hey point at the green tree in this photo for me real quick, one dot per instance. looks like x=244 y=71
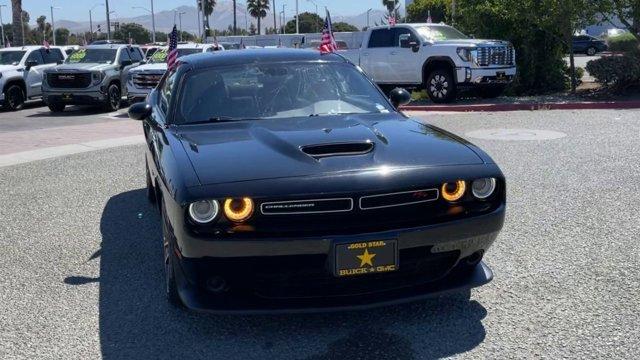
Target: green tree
x=309 y=23
x=206 y=6
x=258 y=9
x=135 y=31
x=343 y=27
x=62 y=36
x=627 y=11
x=419 y=11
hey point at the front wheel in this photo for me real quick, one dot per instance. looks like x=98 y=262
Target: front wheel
x=591 y=51
x=14 y=98
x=113 y=98
x=56 y=107
x=440 y=86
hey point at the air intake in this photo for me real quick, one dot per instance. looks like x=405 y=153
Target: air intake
x=337 y=149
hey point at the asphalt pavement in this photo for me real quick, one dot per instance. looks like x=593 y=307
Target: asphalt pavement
x=82 y=274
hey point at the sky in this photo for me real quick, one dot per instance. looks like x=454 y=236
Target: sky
x=78 y=10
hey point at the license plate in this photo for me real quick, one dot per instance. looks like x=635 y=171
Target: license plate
x=369 y=257
x=66 y=96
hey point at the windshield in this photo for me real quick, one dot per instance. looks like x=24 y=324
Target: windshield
x=160 y=56
x=105 y=56
x=277 y=90
x=437 y=33
x=11 y=57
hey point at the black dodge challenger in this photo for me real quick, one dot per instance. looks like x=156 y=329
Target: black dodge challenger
x=288 y=182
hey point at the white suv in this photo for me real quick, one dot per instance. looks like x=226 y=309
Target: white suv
x=21 y=70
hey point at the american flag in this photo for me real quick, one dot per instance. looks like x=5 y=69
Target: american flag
x=328 y=44
x=46 y=45
x=172 y=57
x=392 y=20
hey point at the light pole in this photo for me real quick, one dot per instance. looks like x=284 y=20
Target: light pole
x=297 y=22
x=275 y=23
x=368 y=11
x=153 y=25
x=22 y=26
x=91 y=20
x=199 y=25
x=53 y=26
x=180 y=22
x=106 y=4
x=283 y=23
x=2 y=24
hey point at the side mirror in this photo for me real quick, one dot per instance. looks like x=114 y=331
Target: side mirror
x=398 y=97
x=415 y=46
x=31 y=63
x=140 y=111
x=125 y=63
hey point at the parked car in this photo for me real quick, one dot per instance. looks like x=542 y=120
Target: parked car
x=21 y=70
x=93 y=75
x=287 y=181
x=434 y=57
x=231 y=45
x=588 y=45
x=144 y=78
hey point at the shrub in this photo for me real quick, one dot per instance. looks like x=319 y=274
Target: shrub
x=622 y=43
x=618 y=72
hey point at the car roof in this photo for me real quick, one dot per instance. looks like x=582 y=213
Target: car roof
x=27 y=47
x=222 y=58
x=411 y=25
x=108 y=46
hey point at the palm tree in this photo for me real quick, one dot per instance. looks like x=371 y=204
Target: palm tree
x=258 y=9
x=206 y=6
x=16 y=9
x=234 y=18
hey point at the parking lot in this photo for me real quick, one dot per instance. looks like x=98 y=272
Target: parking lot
x=82 y=273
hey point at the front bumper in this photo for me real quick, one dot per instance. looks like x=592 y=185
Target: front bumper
x=74 y=97
x=293 y=275
x=135 y=94
x=485 y=76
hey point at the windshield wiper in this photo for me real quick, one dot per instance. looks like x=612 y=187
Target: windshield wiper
x=214 y=119
x=337 y=113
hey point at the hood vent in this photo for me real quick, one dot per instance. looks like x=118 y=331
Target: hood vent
x=337 y=149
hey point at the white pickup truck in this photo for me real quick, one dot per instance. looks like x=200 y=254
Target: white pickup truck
x=434 y=57
x=21 y=72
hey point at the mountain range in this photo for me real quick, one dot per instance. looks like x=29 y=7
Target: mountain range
x=221 y=18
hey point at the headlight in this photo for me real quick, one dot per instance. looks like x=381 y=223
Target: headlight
x=467 y=54
x=453 y=191
x=204 y=211
x=96 y=77
x=238 y=209
x=483 y=188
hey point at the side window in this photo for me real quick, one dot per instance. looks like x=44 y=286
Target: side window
x=135 y=54
x=381 y=38
x=124 y=55
x=166 y=91
x=403 y=37
x=52 y=56
x=37 y=56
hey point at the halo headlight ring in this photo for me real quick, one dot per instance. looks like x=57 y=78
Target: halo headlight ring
x=204 y=211
x=453 y=191
x=238 y=210
x=483 y=188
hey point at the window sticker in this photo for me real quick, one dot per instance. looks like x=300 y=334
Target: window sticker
x=77 y=55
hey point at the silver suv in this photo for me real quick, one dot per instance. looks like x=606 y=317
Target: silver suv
x=94 y=75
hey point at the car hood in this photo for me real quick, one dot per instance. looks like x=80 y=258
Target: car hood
x=267 y=149
x=156 y=68
x=83 y=66
x=9 y=67
x=473 y=42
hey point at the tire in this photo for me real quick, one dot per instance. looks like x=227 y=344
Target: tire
x=14 y=98
x=56 y=107
x=112 y=103
x=490 y=92
x=440 y=86
x=171 y=288
x=151 y=191
x=591 y=51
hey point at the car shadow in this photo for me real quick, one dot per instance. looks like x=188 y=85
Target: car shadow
x=75 y=110
x=135 y=320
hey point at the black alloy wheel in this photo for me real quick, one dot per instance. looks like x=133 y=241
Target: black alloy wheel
x=14 y=98
x=113 y=98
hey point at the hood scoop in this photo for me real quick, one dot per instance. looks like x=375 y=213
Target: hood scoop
x=319 y=151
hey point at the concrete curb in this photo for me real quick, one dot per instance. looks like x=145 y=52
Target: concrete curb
x=603 y=105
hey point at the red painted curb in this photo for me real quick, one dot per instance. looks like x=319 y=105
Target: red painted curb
x=632 y=104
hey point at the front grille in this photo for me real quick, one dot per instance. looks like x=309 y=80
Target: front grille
x=398 y=199
x=496 y=56
x=74 y=80
x=145 y=80
x=308 y=275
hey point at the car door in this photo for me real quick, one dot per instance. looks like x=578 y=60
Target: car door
x=33 y=74
x=403 y=60
x=580 y=43
x=374 y=59
x=132 y=54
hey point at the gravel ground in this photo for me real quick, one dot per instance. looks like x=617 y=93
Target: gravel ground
x=82 y=265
